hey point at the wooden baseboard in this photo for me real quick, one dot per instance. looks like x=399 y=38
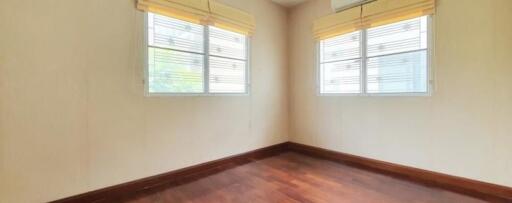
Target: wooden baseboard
x=110 y=194
x=482 y=190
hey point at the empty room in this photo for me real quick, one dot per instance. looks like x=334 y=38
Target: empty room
x=238 y=101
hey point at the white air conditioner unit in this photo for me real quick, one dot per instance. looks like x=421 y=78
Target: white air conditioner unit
x=339 y=5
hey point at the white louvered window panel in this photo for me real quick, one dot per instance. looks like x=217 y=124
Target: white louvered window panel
x=228 y=61
x=397 y=60
x=394 y=59
x=227 y=75
x=340 y=64
x=173 y=71
x=187 y=58
x=398 y=73
x=228 y=44
x=171 y=33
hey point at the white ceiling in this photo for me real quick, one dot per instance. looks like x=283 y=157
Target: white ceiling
x=289 y=3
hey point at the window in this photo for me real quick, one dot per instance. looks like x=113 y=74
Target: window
x=389 y=59
x=187 y=58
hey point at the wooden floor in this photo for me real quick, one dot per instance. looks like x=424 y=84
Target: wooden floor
x=292 y=177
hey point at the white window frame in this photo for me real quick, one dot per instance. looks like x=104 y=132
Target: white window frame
x=364 y=58
x=206 y=79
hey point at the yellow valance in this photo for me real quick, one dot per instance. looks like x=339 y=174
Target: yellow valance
x=202 y=12
x=383 y=12
x=229 y=18
x=376 y=13
x=194 y=11
x=337 y=24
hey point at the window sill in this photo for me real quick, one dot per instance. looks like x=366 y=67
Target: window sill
x=196 y=94
x=412 y=94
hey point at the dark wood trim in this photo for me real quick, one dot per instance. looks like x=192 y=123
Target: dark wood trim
x=112 y=193
x=482 y=190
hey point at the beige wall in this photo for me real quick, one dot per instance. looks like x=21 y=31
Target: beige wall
x=73 y=117
x=464 y=129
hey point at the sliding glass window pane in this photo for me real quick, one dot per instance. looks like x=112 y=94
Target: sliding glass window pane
x=227 y=75
x=341 y=77
x=404 y=36
x=343 y=47
x=227 y=44
x=172 y=33
x=400 y=73
x=174 y=71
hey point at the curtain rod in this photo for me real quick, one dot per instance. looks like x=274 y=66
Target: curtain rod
x=354 y=5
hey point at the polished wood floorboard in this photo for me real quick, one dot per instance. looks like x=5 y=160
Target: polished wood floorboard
x=292 y=177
